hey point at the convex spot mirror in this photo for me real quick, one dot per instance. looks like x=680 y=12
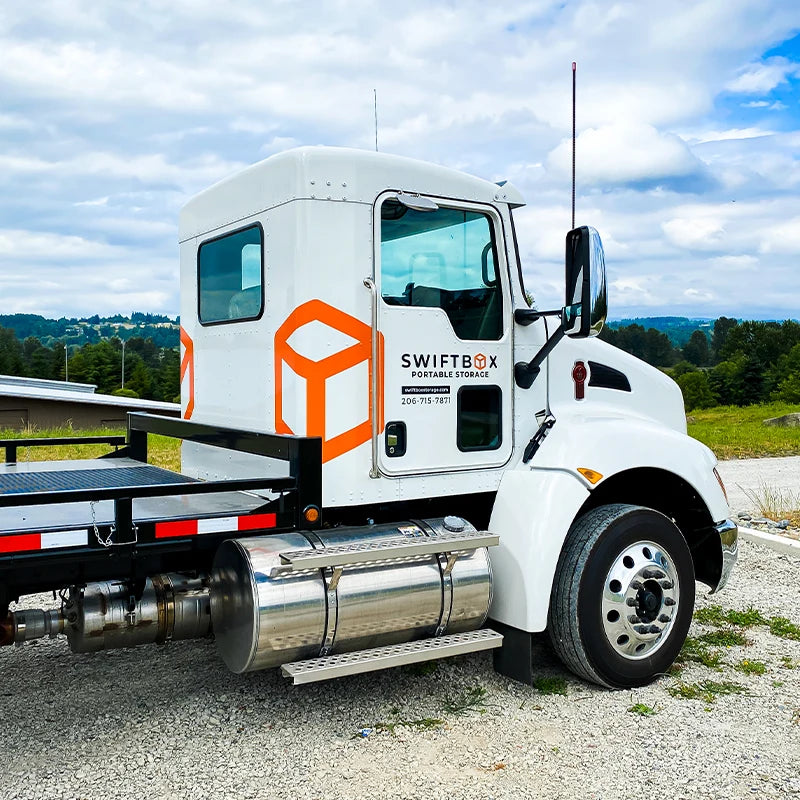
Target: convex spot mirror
x=586 y=307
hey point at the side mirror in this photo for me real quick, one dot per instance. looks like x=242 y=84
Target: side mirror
x=586 y=307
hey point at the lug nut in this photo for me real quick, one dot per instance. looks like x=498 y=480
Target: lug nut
x=655 y=629
x=663 y=618
x=669 y=601
x=633 y=619
x=666 y=584
x=653 y=573
x=631 y=601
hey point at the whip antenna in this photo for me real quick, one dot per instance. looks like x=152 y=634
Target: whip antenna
x=375 y=94
x=574 y=68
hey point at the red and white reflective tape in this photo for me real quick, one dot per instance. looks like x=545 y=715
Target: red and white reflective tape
x=195 y=527
x=19 y=542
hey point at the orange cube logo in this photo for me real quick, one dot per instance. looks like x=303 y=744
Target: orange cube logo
x=318 y=374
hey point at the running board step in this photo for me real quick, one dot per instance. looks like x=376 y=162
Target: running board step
x=393 y=655
x=400 y=548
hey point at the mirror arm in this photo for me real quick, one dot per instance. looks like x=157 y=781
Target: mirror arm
x=525 y=373
x=527 y=316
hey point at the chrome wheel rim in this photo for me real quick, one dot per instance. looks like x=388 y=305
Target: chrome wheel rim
x=641 y=595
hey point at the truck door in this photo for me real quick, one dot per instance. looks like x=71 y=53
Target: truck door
x=444 y=313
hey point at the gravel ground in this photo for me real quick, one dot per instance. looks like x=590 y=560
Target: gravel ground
x=752 y=474
x=749 y=478
x=172 y=722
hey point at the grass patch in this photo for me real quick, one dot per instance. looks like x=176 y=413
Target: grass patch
x=782 y=627
x=787 y=662
x=697 y=651
x=163 y=451
x=707 y=691
x=739 y=432
x=550 y=684
x=775 y=504
x=724 y=637
x=471 y=700
x=751 y=667
x=717 y=617
x=643 y=710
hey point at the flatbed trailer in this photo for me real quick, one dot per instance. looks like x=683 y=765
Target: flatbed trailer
x=117 y=517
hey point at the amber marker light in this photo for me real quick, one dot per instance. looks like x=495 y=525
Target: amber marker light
x=721 y=484
x=591 y=475
x=311 y=514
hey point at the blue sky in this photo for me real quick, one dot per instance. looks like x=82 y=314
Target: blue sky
x=113 y=115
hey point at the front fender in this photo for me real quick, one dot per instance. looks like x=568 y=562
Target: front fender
x=532 y=513
x=613 y=444
x=537 y=503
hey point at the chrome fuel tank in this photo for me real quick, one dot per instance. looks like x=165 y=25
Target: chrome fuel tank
x=263 y=621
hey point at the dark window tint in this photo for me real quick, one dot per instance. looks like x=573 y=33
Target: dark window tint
x=230 y=277
x=479 y=418
x=445 y=259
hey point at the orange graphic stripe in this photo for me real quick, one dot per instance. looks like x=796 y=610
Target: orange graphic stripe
x=187 y=365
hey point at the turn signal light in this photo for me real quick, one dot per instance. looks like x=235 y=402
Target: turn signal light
x=311 y=514
x=591 y=475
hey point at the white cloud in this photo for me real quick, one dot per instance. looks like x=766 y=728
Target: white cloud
x=763 y=77
x=628 y=154
x=733 y=263
x=733 y=133
x=113 y=116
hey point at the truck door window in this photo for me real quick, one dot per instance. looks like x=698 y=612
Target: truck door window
x=230 y=277
x=445 y=259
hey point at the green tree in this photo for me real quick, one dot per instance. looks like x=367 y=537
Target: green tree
x=785 y=377
x=696 y=349
x=681 y=368
x=696 y=390
x=721 y=329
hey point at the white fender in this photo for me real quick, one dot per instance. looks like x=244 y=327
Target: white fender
x=536 y=505
x=610 y=443
x=532 y=513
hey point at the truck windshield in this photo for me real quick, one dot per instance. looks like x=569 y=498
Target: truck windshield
x=443 y=259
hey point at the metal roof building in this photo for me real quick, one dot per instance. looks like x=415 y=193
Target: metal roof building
x=42 y=404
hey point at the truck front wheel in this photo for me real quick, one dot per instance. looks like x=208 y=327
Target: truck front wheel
x=622 y=597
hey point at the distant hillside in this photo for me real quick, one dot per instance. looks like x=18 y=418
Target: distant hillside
x=89 y=330
x=678 y=329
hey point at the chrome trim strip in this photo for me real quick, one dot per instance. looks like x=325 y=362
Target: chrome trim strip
x=373 y=289
x=728 y=532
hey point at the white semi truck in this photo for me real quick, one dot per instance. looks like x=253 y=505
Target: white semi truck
x=388 y=456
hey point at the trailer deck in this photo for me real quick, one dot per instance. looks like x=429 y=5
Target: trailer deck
x=119 y=518
x=29 y=479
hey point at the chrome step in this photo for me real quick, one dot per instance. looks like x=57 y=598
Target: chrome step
x=393 y=655
x=388 y=549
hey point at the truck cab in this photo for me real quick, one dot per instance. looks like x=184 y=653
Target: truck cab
x=377 y=302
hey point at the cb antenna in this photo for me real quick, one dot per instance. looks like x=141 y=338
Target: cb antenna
x=375 y=95
x=574 y=69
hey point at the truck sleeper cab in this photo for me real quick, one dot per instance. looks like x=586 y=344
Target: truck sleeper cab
x=374 y=305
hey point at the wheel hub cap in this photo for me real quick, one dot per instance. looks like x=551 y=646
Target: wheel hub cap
x=640 y=600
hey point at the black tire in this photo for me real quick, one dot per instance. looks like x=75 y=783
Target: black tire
x=619 y=562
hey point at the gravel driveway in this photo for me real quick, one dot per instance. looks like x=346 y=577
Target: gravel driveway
x=171 y=722
x=753 y=474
